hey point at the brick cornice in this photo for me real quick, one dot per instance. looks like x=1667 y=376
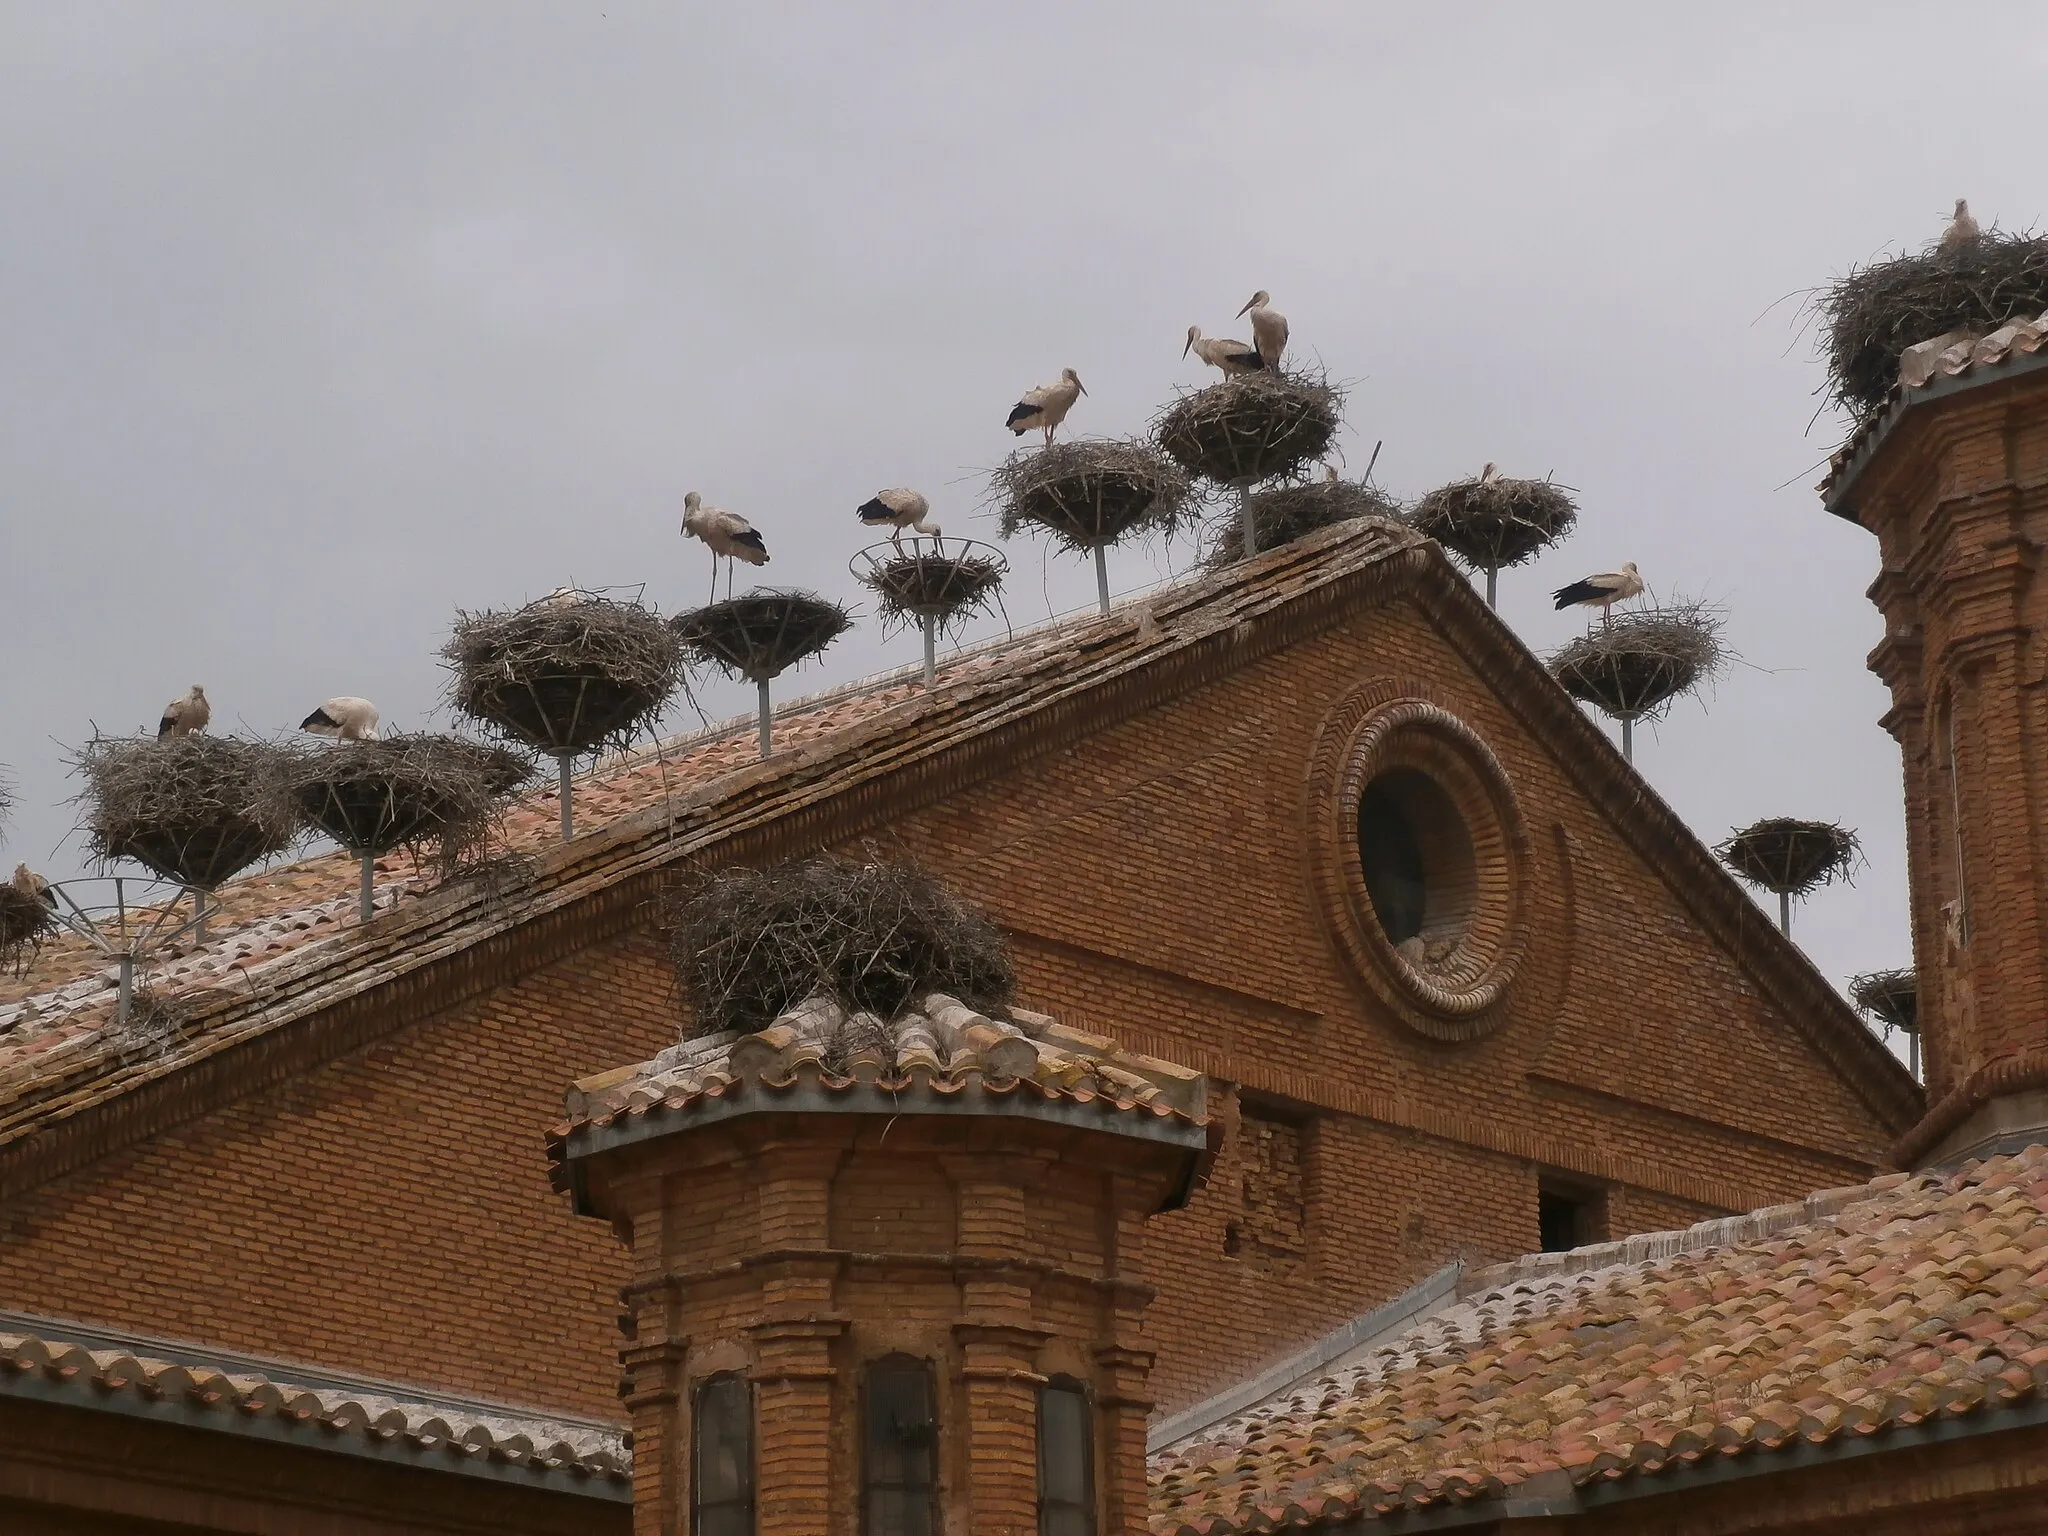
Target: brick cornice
x=2016 y=1071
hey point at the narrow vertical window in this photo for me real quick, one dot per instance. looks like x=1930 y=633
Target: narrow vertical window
x=722 y=1483
x=900 y=1464
x=1066 y=1460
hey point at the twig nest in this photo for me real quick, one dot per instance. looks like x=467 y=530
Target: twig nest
x=1494 y=524
x=1635 y=666
x=948 y=588
x=24 y=923
x=187 y=808
x=1790 y=857
x=1092 y=492
x=762 y=633
x=566 y=677
x=749 y=944
x=1254 y=427
x=1294 y=511
x=1890 y=997
x=1879 y=310
x=401 y=792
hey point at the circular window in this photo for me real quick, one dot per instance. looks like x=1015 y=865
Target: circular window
x=1420 y=849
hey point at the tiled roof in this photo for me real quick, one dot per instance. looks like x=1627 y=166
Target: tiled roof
x=1959 y=356
x=37 y=1360
x=1910 y=1301
x=941 y=1054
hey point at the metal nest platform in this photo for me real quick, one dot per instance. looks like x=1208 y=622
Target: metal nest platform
x=130 y=921
x=1633 y=667
x=1790 y=857
x=939 y=583
x=1252 y=428
x=1494 y=524
x=1092 y=493
x=761 y=634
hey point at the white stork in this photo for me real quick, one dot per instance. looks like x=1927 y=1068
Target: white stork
x=1489 y=474
x=896 y=509
x=1046 y=405
x=183 y=716
x=1962 y=229
x=564 y=597
x=1602 y=590
x=1269 y=329
x=730 y=536
x=344 y=717
x=34 y=886
x=1228 y=357
x=1330 y=476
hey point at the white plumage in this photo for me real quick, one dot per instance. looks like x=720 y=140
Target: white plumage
x=344 y=717
x=1046 y=406
x=1601 y=590
x=184 y=715
x=1269 y=329
x=34 y=886
x=1220 y=353
x=1489 y=474
x=896 y=509
x=1962 y=228
x=730 y=537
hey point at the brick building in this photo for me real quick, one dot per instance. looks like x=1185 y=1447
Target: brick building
x=303 y=1209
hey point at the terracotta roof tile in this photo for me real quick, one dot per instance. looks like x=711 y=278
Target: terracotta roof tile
x=1885 y=1307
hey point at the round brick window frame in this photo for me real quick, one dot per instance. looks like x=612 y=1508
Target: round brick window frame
x=1386 y=727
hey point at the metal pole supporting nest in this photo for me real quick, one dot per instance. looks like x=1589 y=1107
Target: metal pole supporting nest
x=1102 y=577
x=767 y=715
x=930 y=621
x=1492 y=581
x=562 y=770
x=366 y=884
x=124 y=995
x=1628 y=737
x=1247 y=520
x=198 y=915
x=1785 y=913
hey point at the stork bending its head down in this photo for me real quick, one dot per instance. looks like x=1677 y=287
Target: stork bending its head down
x=1602 y=590
x=34 y=886
x=897 y=509
x=183 y=716
x=344 y=717
x=1046 y=405
x=730 y=537
x=1228 y=357
x=1269 y=329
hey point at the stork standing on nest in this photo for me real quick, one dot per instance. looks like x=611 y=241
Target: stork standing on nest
x=1602 y=590
x=1269 y=329
x=897 y=509
x=34 y=886
x=1962 y=228
x=183 y=716
x=344 y=717
x=1489 y=474
x=1228 y=357
x=730 y=536
x=1046 y=405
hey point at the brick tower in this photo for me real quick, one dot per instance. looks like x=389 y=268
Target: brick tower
x=883 y=1274
x=1952 y=477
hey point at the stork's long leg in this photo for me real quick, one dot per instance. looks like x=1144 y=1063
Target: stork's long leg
x=713 y=597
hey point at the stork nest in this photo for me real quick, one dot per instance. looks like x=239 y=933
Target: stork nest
x=763 y=633
x=567 y=679
x=1492 y=525
x=187 y=808
x=24 y=923
x=1092 y=492
x=1879 y=310
x=401 y=792
x=6 y=799
x=1257 y=426
x=1890 y=997
x=1295 y=511
x=1633 y=667
x=947 y=588
x=1790 y=857
x=749 y=944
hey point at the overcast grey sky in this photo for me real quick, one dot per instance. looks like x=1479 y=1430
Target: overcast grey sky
x=320 y=321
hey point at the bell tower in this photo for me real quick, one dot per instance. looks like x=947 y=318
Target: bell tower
x=1952 y=478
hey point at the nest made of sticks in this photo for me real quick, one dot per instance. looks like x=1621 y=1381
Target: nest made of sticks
x=749 y=944
x=1495 y=524
x=1879 y=310
x=1633 y=667
x=762 y=633
x=404 y=791
x=1788 y=856
x=1890 y=997
x=25 y=921
x=566 y=678
x=1092 y=492
x=1254 y=427
x=947 y=588
x=188 y=808
x=1294 y=511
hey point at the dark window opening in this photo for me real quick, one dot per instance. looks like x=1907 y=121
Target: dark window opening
x=1415 y=852
x=1391 y=851
x=1066 y=1460
x=722 y=1482
x=1569 y=1218
x=899 y=1469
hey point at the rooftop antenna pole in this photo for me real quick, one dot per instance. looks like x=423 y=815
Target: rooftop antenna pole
x=930 y=621
x=1102 y=577
x=562 y=761
x=761 y=684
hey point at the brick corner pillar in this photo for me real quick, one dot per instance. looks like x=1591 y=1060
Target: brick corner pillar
x=1953 y=481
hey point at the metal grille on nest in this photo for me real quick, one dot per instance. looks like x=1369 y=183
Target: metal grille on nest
x=1890 y=997
x=186 y=808
x=759 y=636
x=1789 y=856
x=1634 y=667
x=1291 y=512
x=1252 y=428
x=1496 y=524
